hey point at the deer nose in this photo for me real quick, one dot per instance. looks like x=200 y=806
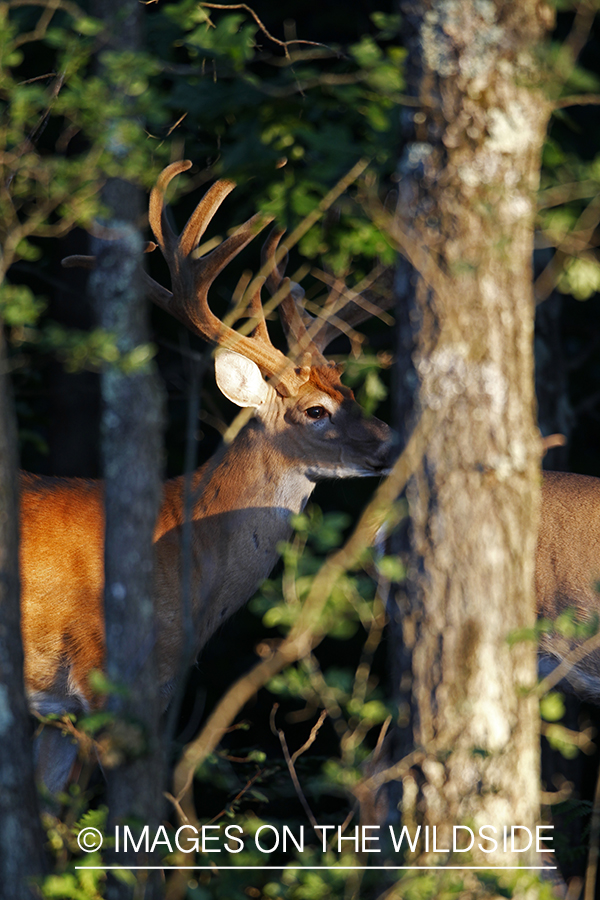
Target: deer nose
x=388 y=450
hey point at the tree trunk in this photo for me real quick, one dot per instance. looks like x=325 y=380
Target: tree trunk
x=132 y=454
x=21 y=847
x=132 y=458
x=468 y=181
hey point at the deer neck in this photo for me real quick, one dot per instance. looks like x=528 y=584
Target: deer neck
x=242 y=503
x=251 y=474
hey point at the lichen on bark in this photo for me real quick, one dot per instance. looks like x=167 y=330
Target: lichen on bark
x=469 y=172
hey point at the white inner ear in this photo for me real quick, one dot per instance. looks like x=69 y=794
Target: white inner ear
x=240 y=379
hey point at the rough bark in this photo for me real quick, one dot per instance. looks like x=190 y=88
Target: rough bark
x=468 y=178
x=21 y=847
x=132 y=456
x=132 y=453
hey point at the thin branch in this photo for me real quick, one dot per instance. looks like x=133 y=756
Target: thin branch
x=565 y=193
x=176 y=125
x=239 y=795
x=66 y=5
x=312 y=736
x=567 y=663
x=346 y=822
x=42 y=25
x=577 y=100
x=261 y=25
x=183 y=819
x=553 y=798
x=372 y=783
x=37 y=78
x=306 y=633
x=550 y=441
x=579 y=33
x=299 y=87
x=382 y=734
x=414 y=251
x=583 y=230
x=580 y=739
x=291 y=768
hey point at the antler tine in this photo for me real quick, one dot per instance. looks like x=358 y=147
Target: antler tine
x=357 y=308
x=255 y=308
x=156 y=292
x=157 y=216
x=79 y=262
x=276 y=270
x=191 y=279
x=211 y=265
x=368 y=303
x=294 y=317
x=203 y=214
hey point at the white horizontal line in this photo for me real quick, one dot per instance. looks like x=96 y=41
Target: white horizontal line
x=329 y=868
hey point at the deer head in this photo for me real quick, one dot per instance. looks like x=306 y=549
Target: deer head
x=303 y=406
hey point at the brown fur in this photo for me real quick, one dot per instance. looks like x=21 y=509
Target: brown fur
x=244 y=498
x=327 y=379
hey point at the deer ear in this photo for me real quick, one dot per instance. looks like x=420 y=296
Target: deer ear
x=240 y=379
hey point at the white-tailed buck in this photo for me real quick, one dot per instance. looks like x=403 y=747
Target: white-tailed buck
x=307 y=427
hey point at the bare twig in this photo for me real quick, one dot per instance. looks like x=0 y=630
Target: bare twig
x=580 y=739
x=415 y=252
x=181 y=816
x=566 y=664
x=583 y=231
x=382 y=733
x=552 y=798
x=50 y=7
x=553 y=440
x=239 y=795
x=565 y=193
x=574 y=888
x=346 y=821
x=290 y=760
x=579 y=33
x=261 y=25
x=392 y=773
x=577 y=100
x=312 y=736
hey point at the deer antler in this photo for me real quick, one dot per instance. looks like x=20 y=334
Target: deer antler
x=191 y=279
x=312 y=338
x=294 y=318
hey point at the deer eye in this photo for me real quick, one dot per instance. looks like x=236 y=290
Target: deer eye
x=316 y=412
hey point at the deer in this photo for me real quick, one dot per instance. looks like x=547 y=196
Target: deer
x=567 y=575
x=306 y=427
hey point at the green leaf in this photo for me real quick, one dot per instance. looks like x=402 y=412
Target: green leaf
x=391 y=568
x=88 y=26
x=19 y=305
x=581 y=277
x=552 y=707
